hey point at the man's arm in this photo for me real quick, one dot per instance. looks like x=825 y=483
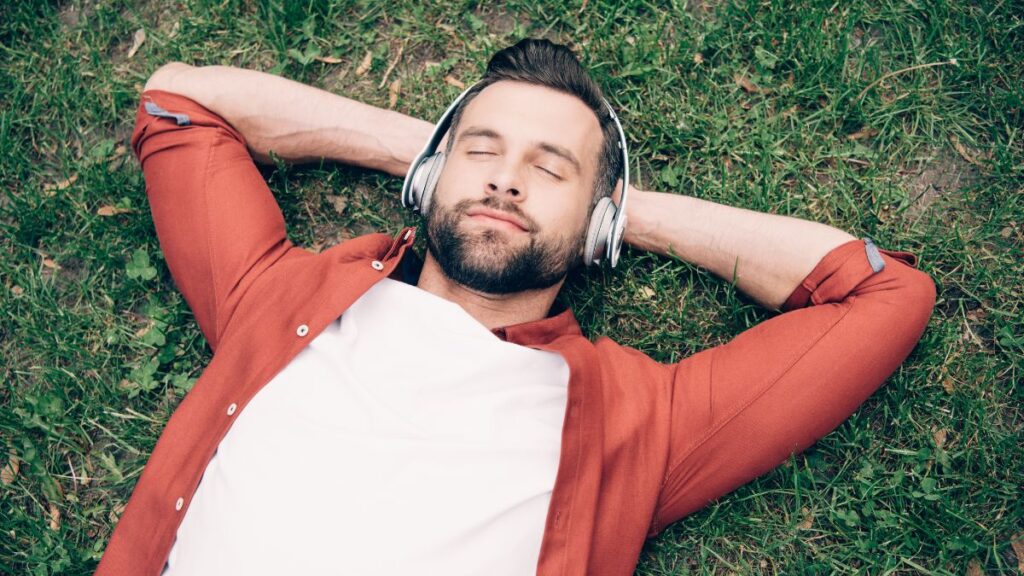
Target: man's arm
x=768 y=254
x=298 y=123
x=739 y=409
x=219 y=225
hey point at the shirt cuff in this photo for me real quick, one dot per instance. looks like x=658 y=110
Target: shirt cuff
x=841 y=271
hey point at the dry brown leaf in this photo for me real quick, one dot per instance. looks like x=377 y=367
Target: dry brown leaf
x=112 y=210
x=393 y=91
x=49 y=263
x=1006 y=232
x=453 y=81
x=17 y=290
x=339 y=203
x=1017 y=543
x=747 y=85
x=10 y=471
x=62 y=185
x=865 y=132
x=142 y=331
x=364 y=66
x=137 y=40
x=948 y=385
x=939 y=436
x=328 y=59
x=962 y=150
x=119 y=151
x=698 y=58
x=974 y=568
x=54 y=517
x=648 y=292
x=808 y=520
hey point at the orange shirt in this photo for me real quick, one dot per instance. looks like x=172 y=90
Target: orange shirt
x=643 y=443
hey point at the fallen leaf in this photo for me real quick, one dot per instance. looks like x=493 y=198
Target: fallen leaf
x=10 y=471
x=808 y=520
x=364 y=66
x=112 y=210
x=939 y=436
x=1006 y=232
x=339 y=203
x=49 y=263
x=648 y=292
x=393 y=91
x=328 y=59
x=962 y=150
x=948 y=385
x=698 y=58
x=137 y=40
x=17 y=290
x=1017 y=543
x=119 y=151
x=54 y=517
x=62 y=185
x=453 y=81
x=747 y=85
x=865 y=132
x=974 y=568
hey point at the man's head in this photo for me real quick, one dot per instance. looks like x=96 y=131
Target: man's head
x=530 y=150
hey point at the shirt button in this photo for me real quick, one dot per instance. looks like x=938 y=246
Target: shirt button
x=232 y=408
x=179 y=503
x=302 y=330
x=377 y=265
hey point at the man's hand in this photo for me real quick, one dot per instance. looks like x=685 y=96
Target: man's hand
x=767 y=255
x=295 y=122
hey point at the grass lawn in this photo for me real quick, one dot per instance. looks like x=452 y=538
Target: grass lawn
x=898 y=120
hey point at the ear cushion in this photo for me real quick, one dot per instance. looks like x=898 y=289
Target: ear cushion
x=427 y=176
x=597 y=233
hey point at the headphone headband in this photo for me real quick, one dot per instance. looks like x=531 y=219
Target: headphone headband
x=423 y=171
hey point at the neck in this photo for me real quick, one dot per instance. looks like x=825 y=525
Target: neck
x=491 y=310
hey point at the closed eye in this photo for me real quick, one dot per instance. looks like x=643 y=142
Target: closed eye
x=551 y=173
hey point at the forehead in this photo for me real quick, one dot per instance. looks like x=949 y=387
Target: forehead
x=529 y=113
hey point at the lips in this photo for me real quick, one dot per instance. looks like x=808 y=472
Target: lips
x=498 y=215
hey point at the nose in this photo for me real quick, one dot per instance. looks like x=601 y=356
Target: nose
x=505 y=181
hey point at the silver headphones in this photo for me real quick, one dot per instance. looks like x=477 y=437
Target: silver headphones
x=607 y=221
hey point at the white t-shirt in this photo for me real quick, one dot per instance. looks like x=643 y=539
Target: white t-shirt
x=405 y=439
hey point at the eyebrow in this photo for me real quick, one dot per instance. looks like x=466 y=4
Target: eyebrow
x=555 y=149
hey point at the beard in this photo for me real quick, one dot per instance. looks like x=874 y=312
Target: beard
x=487 y=261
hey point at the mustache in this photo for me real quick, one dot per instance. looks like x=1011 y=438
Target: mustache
x=494 y=203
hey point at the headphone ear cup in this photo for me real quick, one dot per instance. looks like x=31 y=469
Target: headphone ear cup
x=601 y=221
x=431 y=170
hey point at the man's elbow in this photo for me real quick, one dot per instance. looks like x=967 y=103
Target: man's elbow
x=917 y=298
x=164 y=77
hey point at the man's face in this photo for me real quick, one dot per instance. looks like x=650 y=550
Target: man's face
x=510 y=210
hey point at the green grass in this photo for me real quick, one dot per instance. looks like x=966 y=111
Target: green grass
x=97 y=347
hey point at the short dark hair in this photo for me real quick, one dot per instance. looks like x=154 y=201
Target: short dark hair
x=544 y=63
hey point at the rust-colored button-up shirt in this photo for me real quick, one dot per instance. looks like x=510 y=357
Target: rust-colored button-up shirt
x=643 y=443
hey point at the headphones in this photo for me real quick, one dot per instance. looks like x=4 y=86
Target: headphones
x=607 y=221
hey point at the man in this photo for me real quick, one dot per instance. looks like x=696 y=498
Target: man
x=457 y=422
